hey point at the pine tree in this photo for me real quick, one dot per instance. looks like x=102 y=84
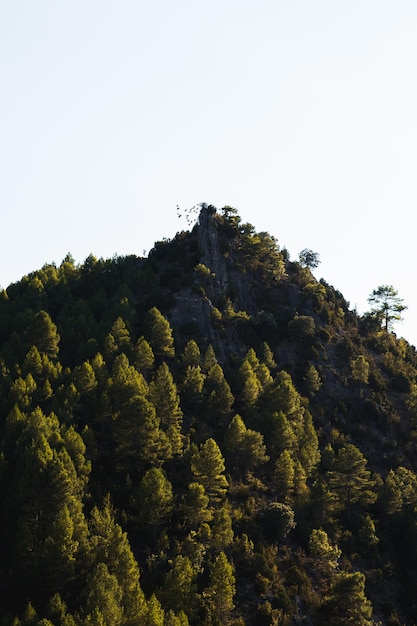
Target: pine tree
x=221 y=528
x=347 y=602
x=207 y=465
x=50 y=529
x=154 y=498
x=33 y=363
x=159 y=333
x=155 y=615
x=85 y=378
x=244 y=447
x=267 y=357
x=193 y=384
x=195 y=505
x=180 y=587
x=219 y=395
x=103 y=599
x=140 y=441
x=192 y=355
x=110 y=545
x=43 y=334
x=284 y=476
x=126 y=382
x=312 y=380
x=118 y=340
x=57 y=612
x=221 y=589
x=350 y=480
x=251 y=387
x=163 y=394
x=399 y=491
x=210 y=359
x=143 y=356
x=326 y=554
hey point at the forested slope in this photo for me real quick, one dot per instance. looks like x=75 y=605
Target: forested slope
x=205 y=436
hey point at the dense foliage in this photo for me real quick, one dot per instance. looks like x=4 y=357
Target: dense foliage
x=205 y=436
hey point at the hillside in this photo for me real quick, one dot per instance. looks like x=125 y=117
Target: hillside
x=205 y=436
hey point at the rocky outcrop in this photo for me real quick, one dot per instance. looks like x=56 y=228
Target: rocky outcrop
x=209 y=247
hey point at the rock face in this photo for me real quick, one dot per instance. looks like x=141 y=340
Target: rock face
x=198 y=308
x=209 y=247
x=227 y=278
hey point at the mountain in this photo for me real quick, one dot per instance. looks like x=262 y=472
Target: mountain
x=205 y=436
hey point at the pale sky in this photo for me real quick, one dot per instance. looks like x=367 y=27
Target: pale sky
x=302 y=114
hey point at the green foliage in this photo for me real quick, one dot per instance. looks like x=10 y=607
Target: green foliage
x=387 y=306
x=278 y=519
x=42 y=333
x=347 y=602
x=324 y=553
x=312 y=380
x=143 y=356
x=163 y=394
x=159 y=333
x=244 y=447
x=360 y=369
x=308 y=258
x=221 y=589
x=207 y=465
x=150 y=482
x=350 y=481
x=154 y=499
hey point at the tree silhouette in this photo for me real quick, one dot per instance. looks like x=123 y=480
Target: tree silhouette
x=387 y=305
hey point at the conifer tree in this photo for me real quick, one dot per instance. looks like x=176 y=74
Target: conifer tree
x=251 y=387
x=325 y=553
x=180 y=587
x=85 y=378
x=221 y=590
x=350 y=480
x=210 y=359
x=43 y=334
x=219 y=395
x=33 y=363
x=163 y=394
x=193 y=384
x=51 y=530
x=192 y=355
x=118 y=340
x=207 y=465
x=103 y=599
x=284 y=476
x=221 y=528
x=171 y=619
x=312 y=380
x=387 y=306
x=57 y=612
x=195 y=505
x=139 y=439
x=347 y=602
x=110 y=545
x=155 y=615
x=154 y=498
x=143 y=356
x=159 y=333
x=360 y=369
x=244 y=447
x=279 y=434
x=126 y=382
x=267 y=357
x=399 y=490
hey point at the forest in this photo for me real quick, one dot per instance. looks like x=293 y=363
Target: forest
x=204 y=436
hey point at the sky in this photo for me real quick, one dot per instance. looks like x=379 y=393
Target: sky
x=301 y=114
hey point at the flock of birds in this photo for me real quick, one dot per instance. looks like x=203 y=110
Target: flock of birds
x=189 y=214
